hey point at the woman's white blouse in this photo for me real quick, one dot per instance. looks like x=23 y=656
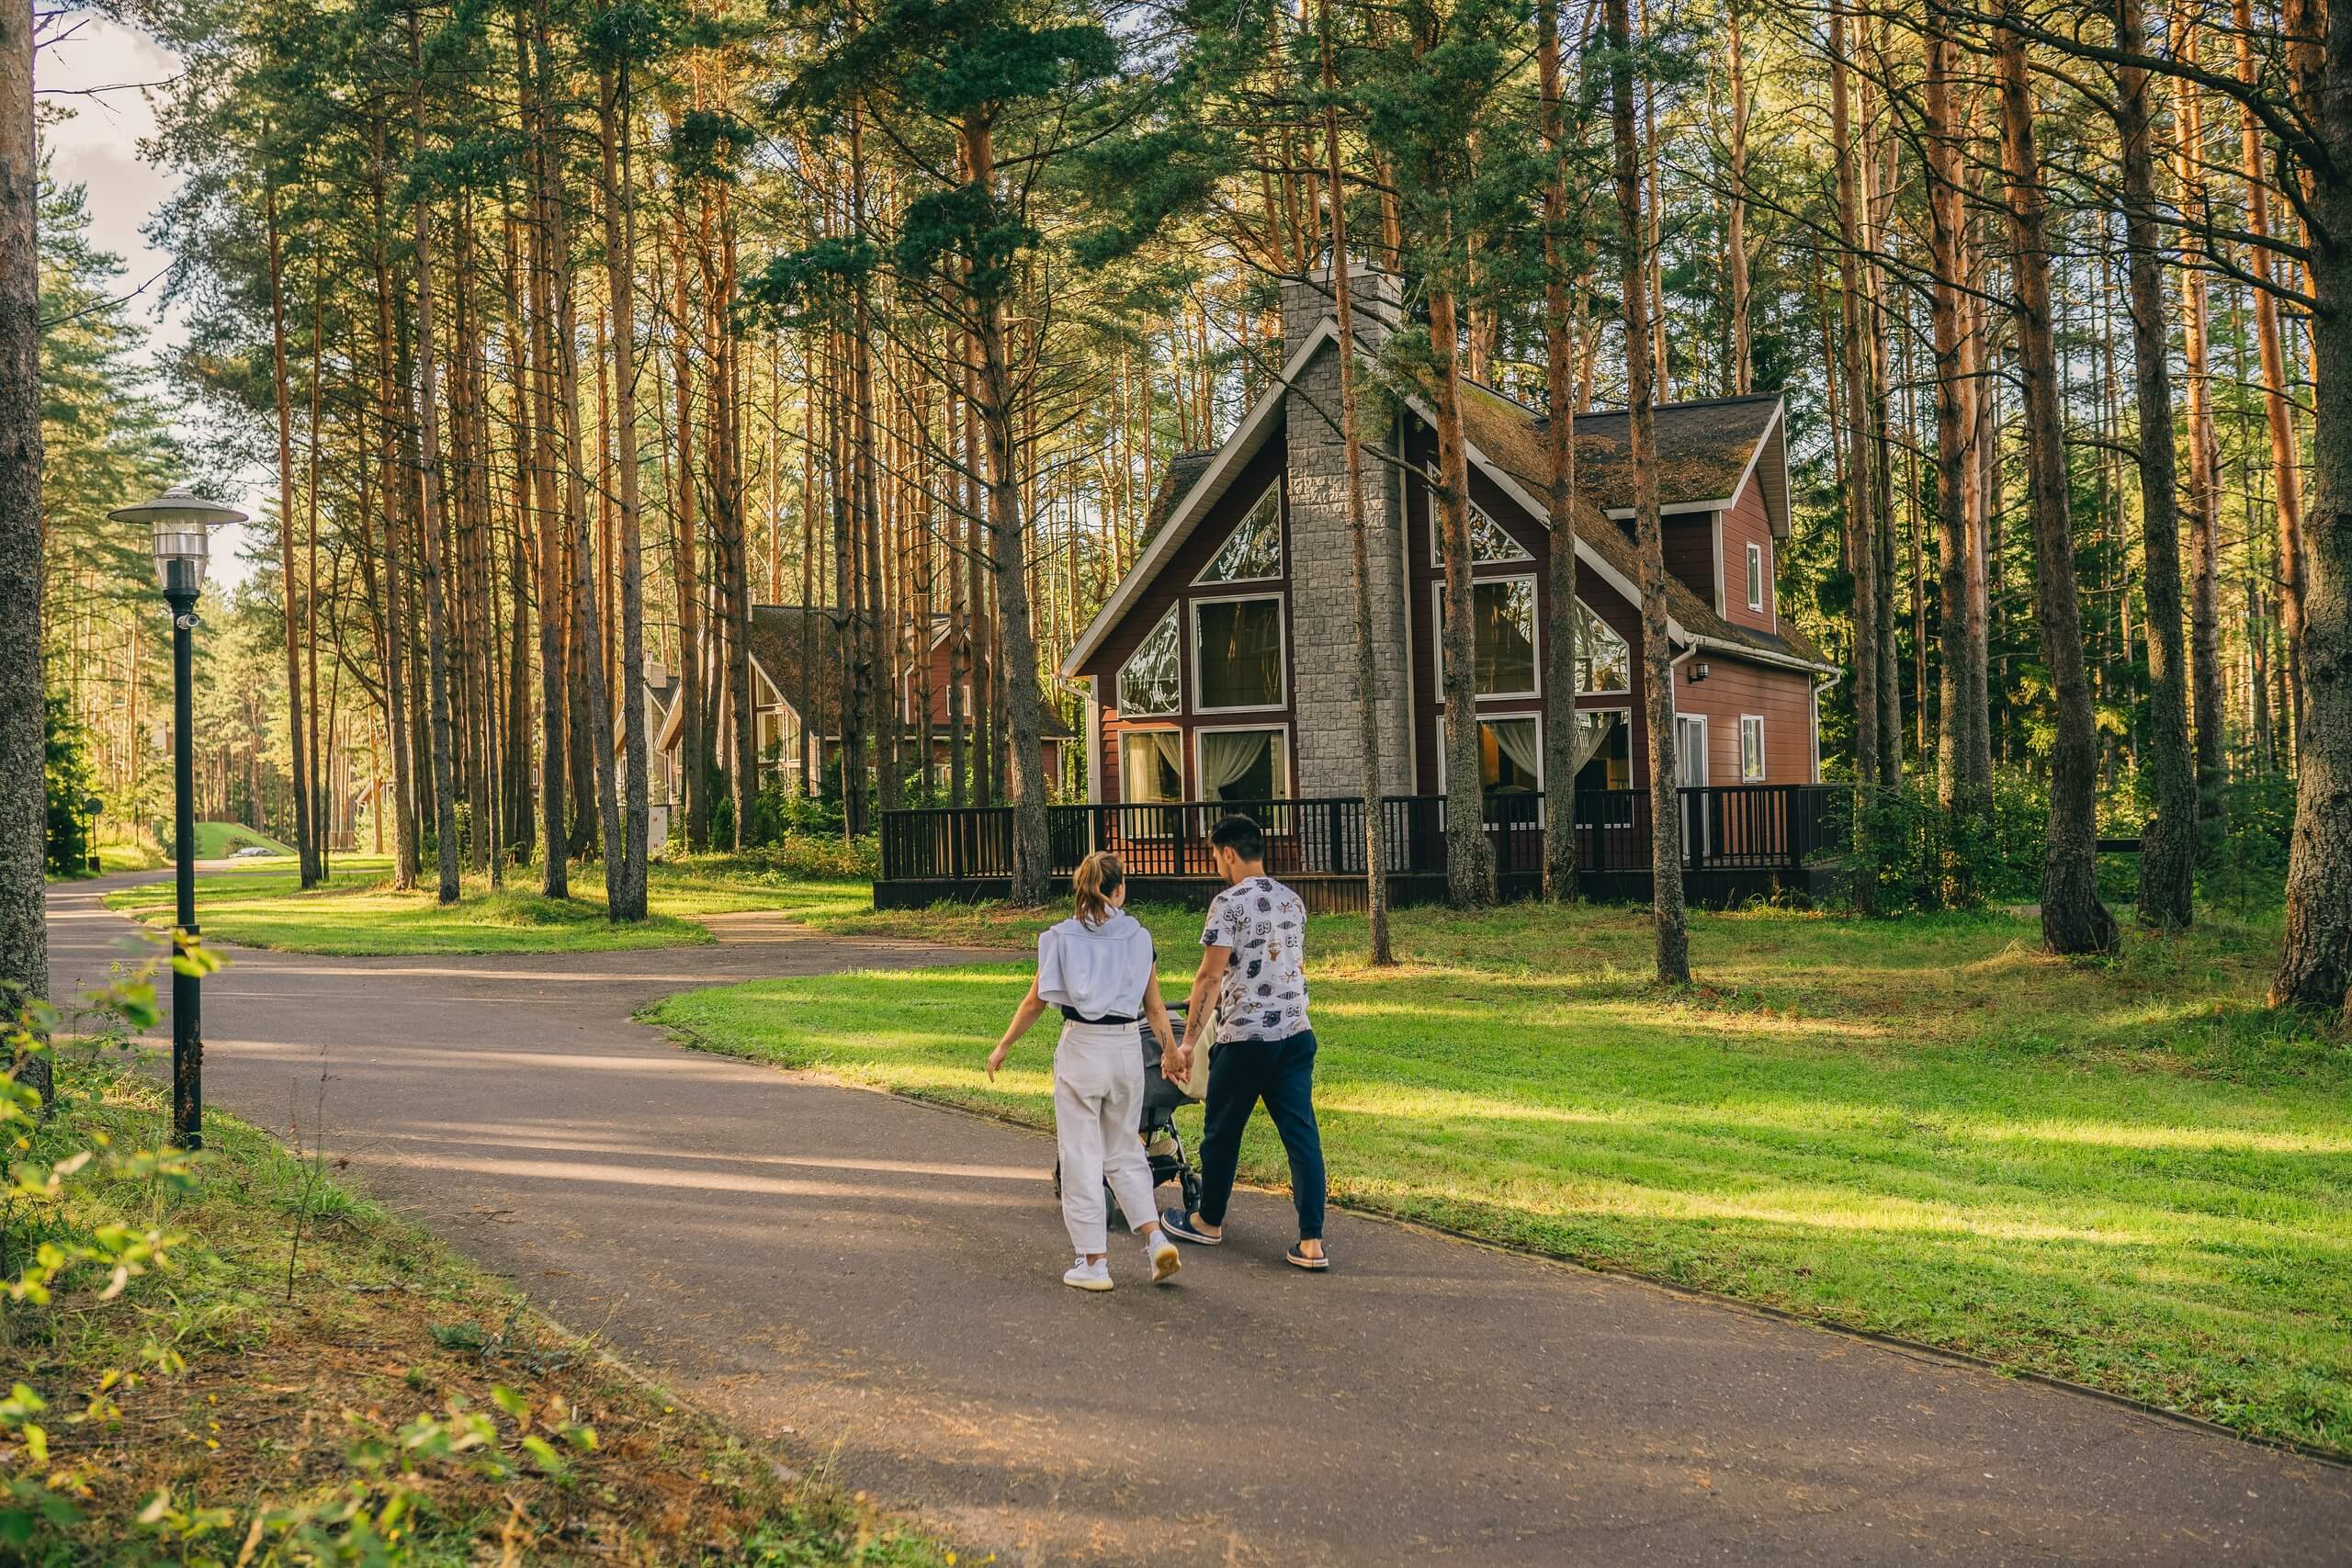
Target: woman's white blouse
x=1101 y=971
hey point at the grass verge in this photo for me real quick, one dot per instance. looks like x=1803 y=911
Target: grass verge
x=357 y=911
x=2129 y=1174
x=367 y=1398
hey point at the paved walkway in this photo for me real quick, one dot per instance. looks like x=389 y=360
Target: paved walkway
x=874 y=1283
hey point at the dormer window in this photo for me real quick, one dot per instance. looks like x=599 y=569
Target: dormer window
x=1254 y=552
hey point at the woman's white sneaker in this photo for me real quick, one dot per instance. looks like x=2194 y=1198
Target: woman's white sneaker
x=1084 y=1276
x=1165 y=1259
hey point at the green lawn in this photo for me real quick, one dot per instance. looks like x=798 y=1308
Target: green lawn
x=217 y=841
x=2129 y=1174
x=272 y=1385
x=358 y=911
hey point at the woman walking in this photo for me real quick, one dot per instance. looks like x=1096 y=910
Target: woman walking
x=1097 y=966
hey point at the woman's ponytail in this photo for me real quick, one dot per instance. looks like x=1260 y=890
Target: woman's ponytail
x=1097 y=876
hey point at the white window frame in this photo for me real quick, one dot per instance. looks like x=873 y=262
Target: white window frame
x=1282 y=542
x=1183 y=785
x=1626 y=713
x=1281 y=651
x=1706 y=770
x=1534 y=589
x=1763 y=761
x=1436 y=544
x=1118 y=676
x=1535 y=718
x=1627 y=689
x=1290 y=752
x=1757 y=592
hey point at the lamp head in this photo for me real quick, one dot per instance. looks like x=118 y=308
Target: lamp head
x=181 y=522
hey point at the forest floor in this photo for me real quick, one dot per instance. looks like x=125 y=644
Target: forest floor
x=315 y=1379
x=2130 y=1173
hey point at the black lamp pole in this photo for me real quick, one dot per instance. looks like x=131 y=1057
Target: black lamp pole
x=180 y=589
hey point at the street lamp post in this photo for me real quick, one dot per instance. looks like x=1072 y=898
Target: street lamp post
x=182 y=521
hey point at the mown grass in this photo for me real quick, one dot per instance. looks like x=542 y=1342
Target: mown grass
x=2128 y=1173
x=261 y=1400
x=358 y=911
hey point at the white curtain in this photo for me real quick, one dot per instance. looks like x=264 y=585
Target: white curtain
x=1144 y=751
x=1226 y=755
x=1515 y=738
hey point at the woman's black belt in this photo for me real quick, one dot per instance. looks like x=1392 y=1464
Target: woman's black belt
x=1072 y=1014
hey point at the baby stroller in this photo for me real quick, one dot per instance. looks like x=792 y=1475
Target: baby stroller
x=1163 y=1143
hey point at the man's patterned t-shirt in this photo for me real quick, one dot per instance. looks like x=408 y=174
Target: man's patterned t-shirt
x=1263 y=993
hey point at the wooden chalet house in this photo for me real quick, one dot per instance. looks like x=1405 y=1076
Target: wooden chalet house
x=1221 y=670
x=797 y=662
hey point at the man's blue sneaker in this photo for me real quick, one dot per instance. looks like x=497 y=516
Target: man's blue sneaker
x=1180 y=1225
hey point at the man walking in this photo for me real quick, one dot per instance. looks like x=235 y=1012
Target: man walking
x=1253 y=952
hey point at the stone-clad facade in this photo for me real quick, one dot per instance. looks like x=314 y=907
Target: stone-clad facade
x=1323 y=597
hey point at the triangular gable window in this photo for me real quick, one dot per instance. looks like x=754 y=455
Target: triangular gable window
x=1150 y=682
x=1254 y=551
x=1490 y=542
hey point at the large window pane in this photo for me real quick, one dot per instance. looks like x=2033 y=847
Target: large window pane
x=1506 y=620
x=1610 y=766
x=1240 y=652
x=1603 y=662
x=1151 y=764
x=1255 y=549
x=1148 y=682
x=1244 y=765
x=1508 y=756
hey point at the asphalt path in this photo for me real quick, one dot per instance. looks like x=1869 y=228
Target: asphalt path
x=875 y=1284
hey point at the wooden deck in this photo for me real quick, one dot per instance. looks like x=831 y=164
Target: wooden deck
x=1740 y=843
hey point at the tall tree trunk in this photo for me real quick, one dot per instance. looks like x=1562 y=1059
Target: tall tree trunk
x=1469 y=857
x=1564 y=749
x=693 y=658
x=1031 y=879
x=398 y=728
x=2286 y=465
x=1955 y=421
x=1657 y=659
x=1861 y=526
x=429 y=529
x=2316 y=964
x=2205 y=672
x=1376 y=855
x=23 y=797
x=555 y=876
x=1742 y=367
x=2168 y=842
x=306 y=846
x=625 y=891
x=2073 y=918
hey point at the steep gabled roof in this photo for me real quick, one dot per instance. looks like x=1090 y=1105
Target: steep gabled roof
x=1706 y=450
x=1511 y=439
x=1184 y=471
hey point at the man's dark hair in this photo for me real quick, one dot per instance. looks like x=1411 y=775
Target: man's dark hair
x=1242 y=836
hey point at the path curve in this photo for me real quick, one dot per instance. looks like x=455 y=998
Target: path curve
x=872 y=1283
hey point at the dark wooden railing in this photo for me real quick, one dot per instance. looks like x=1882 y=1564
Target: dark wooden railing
x=1728 y=826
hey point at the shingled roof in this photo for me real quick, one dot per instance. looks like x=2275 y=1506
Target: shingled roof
x=1704 y=449
x=779 y=632
x=1185 y=470
x=1512 y=437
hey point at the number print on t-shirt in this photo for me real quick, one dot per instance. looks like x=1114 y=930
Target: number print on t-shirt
x=1262 y=995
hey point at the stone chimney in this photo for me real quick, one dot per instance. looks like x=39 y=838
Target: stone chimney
x=1323 y=624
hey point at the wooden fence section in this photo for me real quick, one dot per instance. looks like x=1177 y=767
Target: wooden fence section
x=1738 y=841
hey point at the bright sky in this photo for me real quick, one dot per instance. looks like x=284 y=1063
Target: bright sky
x=99 y=147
